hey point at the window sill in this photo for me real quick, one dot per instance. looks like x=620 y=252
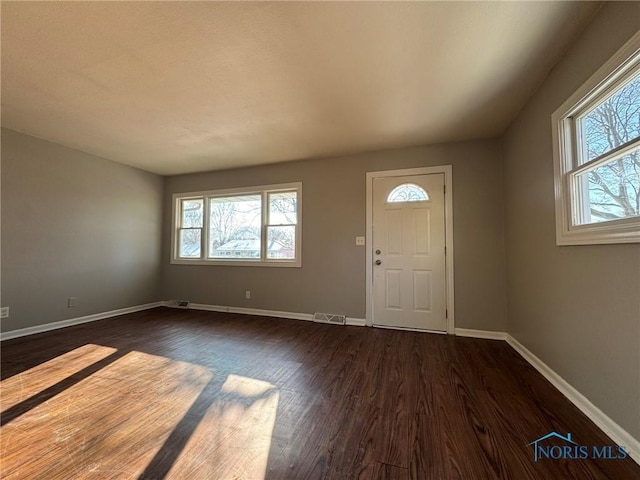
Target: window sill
x=238 y=263
x=600 y=235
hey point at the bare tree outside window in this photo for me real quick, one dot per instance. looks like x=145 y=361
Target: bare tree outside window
x=281 y=232
x=234 y=227
x=191 y=231
x=241 y=227
x=613 y=187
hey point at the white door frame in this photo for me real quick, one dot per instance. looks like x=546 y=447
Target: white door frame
x=448 y=214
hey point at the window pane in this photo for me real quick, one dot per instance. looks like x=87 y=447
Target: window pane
x=613 y=122
x=192 y=213
x=190 y=243
x=283 y=208
x=234 y=227
x=407 y=192
x=281 y=242
x=613 y=189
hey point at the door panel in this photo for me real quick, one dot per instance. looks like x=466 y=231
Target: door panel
x=422 y=290
x=409 y=285
x=393 y=289
x=394 y=231
x=422 y=228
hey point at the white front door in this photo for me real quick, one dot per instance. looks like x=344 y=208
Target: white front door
x=409 y=284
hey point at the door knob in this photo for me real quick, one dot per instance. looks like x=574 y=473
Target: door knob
x=378 y=262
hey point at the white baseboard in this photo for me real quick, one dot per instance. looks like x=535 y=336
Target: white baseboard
x=606 y=424
x=486 y=334
x=358 y=322
x=22 y=332
x=618 y=434
x=251 y=311
x=420 y=330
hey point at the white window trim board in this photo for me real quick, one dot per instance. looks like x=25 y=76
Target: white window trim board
x=624 y=230
x=254 y=189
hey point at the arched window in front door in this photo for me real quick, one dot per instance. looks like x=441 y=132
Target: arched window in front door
x=407 y=192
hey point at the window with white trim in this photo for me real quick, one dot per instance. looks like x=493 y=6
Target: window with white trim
x=258 y=226
x=597 y=155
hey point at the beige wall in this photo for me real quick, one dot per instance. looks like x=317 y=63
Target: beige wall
x=75 y=225
x=332 y=278
x=78 y=225
x=576 y=307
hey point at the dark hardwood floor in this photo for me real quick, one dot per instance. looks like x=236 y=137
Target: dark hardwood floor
x=184 y=394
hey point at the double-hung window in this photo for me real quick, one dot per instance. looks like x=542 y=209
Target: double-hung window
x=597 y=155
x=258 y=226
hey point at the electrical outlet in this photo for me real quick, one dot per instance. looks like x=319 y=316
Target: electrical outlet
x=247 y=294
x=71 y=302
x=4 y=312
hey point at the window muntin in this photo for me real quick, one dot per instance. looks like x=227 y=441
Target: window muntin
x=407 y=192
x=612 y=122
x=609 y=191
x=281 y=225
x=257 y=226
x=607 y=143
x=597 y=155
x=190 y=229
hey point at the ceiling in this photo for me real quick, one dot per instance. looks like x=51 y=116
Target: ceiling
x=179 y=87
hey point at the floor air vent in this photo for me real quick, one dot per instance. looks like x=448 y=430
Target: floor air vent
x=179 y=303
x=329 y=318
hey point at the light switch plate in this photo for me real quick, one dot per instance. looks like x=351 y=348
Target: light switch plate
x=359 y=240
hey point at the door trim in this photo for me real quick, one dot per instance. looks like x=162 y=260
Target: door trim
x=448 y=233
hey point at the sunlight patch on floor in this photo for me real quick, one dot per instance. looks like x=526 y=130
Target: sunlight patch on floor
x=26 y=384
x=233 y=438
x=109 y=425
